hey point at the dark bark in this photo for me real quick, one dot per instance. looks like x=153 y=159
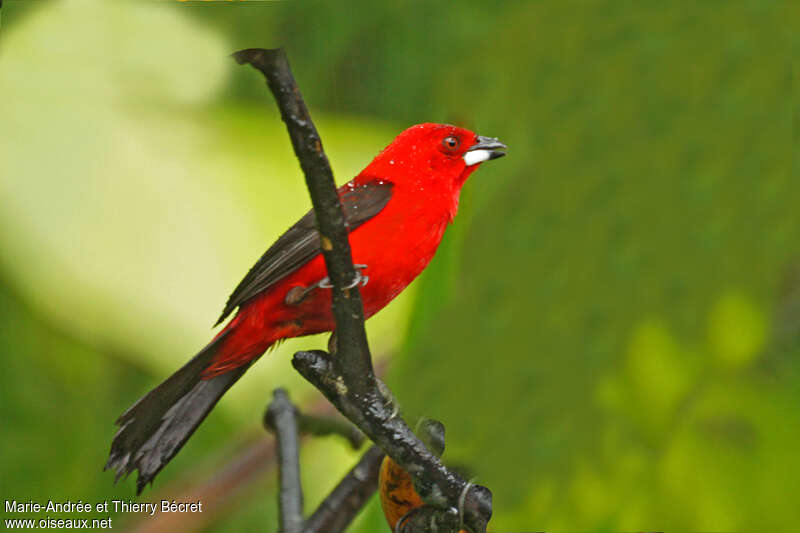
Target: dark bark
x=348 y=380
x=347 y=308
x=437 y=485
x=281 y=418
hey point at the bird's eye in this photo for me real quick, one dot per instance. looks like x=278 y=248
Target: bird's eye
x=451 y=143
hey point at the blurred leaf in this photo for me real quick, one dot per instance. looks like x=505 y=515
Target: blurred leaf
x=737 y=330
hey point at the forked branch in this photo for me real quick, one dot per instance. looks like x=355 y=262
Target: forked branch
x=348 y=380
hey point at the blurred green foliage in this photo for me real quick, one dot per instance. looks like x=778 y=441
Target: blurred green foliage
x=610 y=331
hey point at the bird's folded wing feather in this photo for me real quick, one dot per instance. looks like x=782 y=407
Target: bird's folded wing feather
x=300 y=244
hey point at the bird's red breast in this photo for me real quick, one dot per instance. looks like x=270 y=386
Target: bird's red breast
x=426 y=167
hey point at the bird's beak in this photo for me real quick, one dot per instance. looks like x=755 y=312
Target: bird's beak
x=486 y=149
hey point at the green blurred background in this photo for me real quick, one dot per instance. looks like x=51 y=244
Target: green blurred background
x=610 y=330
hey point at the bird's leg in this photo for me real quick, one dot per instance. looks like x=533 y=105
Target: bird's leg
x=298 y=293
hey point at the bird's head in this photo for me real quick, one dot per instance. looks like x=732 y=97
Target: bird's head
x=431 y=154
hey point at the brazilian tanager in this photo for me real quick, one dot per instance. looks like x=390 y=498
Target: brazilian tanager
x=396 y=209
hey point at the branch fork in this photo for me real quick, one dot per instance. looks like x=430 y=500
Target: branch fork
x=348 y=380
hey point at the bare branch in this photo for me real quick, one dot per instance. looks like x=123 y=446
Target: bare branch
x=347 y=308
x=437 y=485
x=348 y=380
x=281 y=419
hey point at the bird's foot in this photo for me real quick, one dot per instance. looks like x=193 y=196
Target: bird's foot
x=428 y=518
x=298 y=293
x=359 y=279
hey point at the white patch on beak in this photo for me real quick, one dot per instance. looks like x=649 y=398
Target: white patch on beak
x=476 y=156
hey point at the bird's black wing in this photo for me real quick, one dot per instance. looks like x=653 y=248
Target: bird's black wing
x=300 y=243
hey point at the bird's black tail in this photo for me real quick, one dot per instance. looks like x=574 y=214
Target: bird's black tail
x=155 y=428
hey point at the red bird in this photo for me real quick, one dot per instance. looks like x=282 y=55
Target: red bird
x=397 y=210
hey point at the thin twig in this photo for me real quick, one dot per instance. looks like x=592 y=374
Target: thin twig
x=281 y=419
x=336 y=511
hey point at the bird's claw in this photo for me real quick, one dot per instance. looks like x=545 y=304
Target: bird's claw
x=298 y=293
x=359 y=279
x=462 y=498
x=427 y=518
